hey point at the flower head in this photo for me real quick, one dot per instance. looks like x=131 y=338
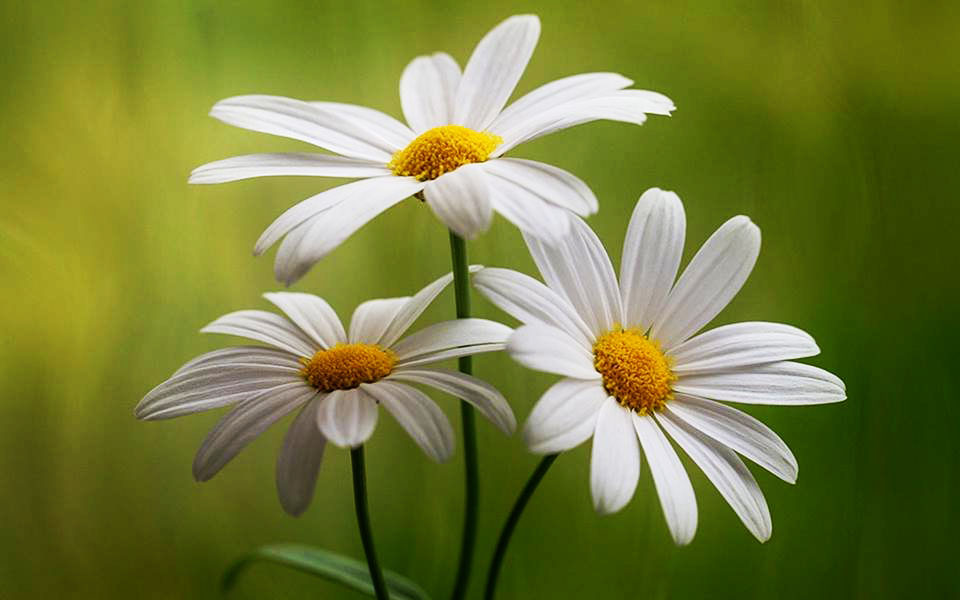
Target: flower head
x=634 y=370
x=337 y=380
x=450 y=152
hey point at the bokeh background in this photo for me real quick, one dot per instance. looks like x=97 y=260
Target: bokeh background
x=833 y=126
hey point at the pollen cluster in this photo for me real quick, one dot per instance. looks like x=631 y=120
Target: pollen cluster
x=346 y=366
x=441 y=150
x=634 y=370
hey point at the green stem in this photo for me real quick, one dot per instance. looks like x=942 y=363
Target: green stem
x=512 y=521
x=461 y=287
x=363 y=522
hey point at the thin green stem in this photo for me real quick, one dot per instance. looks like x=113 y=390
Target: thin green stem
x=363 y=522
x=512 y=521
x=461 y=287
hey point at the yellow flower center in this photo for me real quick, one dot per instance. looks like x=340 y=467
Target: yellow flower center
x=635 y=371
x=441 y=150
x=346 y=366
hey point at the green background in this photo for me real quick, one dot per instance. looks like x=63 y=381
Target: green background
x=835 y=128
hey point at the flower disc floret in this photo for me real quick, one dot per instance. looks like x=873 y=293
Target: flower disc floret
x=441 y=150
x=346 y=366
x=634 y=369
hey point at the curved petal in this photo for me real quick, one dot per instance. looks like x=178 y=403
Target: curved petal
x=333 y=226
x=615 y=459
x=494 y=69
x=531 y=214
x=244 y=423
x=302 y=121
x=651 y=256
x=710 y=281
x=627 y=106
x=461 y=200
x=409 y=313
x=294 y=163
x=418 y=415
x=549 y=183
x=441 y=355
x=428 y=88
x=303 y=211
x=786 y=383
x=264 y=327
x=738 y=431
x=670 y=478
x=299 y=460
x=557 y=93
x=371 y=319
x=530 y=301
x=212 y=386
x=564 y=417
x=457 y=333
x=741 y=345
x=394 y=134
x=240 y=355
x=551 y=350
x=472 y=390
x=727 y=473
x=579 y=269
x=311 y=314
x=347 y=417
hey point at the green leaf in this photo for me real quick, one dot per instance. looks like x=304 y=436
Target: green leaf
x=323 y=563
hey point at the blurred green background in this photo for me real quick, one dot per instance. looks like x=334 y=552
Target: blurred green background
x=834 y=127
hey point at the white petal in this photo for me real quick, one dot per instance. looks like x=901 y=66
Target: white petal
x=461 y=200
x=347 y=417
x=673 y=485
x=786 y=383
x=294 y=163
x=376 y=124
x=564 y=417
x=457 y=333
x=302 y=121
x=371 y=319
x=299 y=460
x=740 y=345
x=331 y=227
x=627 y=106
x=244 y=423
x=312 y=314
x=214 y=385
x=529 y=212
x=415 y=307
x=545 y=348
x=551 y=184
x=428 y=88
x=234 y=355
x=418 y=415
x=303 y=211
x=738 y=431
x=710 y=281
x=530 y=301
x=494 y=69
x=727 y=473
x=472 y=390
x=556 y=93
x=651 y=256
x=441 y=355
x=615 y=460
x=264 y=327
x=579 y=269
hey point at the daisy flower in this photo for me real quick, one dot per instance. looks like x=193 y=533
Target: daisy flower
x=635 y=372
x=338 y=380
x=449 y=154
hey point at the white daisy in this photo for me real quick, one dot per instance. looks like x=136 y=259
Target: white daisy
x=338 y=379
x=633 y=371
x=450 y=154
